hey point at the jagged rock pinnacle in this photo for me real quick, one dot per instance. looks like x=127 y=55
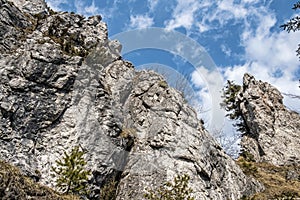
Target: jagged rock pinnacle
x=273 y=130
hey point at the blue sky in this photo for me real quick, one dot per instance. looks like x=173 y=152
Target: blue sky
x=239 y=35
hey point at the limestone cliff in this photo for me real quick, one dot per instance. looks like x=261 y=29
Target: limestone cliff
x=273 y=131
x=63 y=83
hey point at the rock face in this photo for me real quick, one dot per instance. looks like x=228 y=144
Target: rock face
x=273 y=131
x=63 y=83
x=31 y=6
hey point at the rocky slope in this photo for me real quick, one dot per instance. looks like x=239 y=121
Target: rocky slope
x=273 y=131
x=63 y=83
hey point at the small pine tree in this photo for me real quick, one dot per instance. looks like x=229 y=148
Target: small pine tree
x=232 y=105
x=178 y=190
x=70 y=173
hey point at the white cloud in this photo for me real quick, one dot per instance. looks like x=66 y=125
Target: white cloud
x=273 y=50
x=209 y=84
x=109 y=12
x=183 y=15
x=92 y=9
x=152 y=5
x=84 y=9
x=226 y=50
x=235 y=73
x=202 y=27
x=250 y=1
x=140 y=22
x=232 y=10
x=56 y=4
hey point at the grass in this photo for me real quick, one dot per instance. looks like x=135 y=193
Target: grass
x=277 y=183
x=14 y=185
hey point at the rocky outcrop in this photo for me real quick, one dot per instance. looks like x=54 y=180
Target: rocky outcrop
x=63 y=83
x=273 y=131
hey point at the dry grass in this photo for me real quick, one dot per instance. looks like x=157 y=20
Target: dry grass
x=13 y=185
x=278 y=181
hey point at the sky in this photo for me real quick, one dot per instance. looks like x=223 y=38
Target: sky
x=235 y=37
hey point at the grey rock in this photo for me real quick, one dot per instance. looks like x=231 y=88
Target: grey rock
x=14 y=26
x=273 y=131
x=31 y=6
x=170 y=141
x=65 y=84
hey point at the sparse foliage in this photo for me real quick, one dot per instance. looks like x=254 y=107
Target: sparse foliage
x=230 y=143
x=293 y=25
x=176 y=190
x=71 y=175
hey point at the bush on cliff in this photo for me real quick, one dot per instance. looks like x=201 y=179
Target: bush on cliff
x=71 y=175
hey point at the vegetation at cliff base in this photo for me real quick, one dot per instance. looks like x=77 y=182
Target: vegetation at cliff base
x=71 y=175
x=280 y=182
x=14 y=185
x=176 y=190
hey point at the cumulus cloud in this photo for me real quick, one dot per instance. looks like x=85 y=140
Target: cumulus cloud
x=140 y=22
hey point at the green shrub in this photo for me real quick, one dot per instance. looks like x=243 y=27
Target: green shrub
x=71 y=175
x=177 y=190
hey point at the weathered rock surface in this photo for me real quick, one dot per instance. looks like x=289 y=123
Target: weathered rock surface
x=31 y=6
x=14 y=26
x=273 y=131
x=65 y=84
